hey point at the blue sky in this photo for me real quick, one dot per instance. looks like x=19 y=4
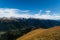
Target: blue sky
x=43 y=9
x=34 y=5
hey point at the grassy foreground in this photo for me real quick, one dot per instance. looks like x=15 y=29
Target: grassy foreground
x=43 y=34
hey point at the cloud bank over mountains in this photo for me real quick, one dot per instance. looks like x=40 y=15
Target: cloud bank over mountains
x=9 y=12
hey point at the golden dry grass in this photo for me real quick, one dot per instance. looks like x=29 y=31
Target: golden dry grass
x=43 y=34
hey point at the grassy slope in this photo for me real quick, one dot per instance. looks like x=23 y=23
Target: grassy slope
x=43 y=34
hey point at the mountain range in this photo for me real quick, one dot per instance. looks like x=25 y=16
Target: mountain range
x=12 y=28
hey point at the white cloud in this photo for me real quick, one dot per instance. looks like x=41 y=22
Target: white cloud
x=48 y=12
x=25 y=10
x=7 y=12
